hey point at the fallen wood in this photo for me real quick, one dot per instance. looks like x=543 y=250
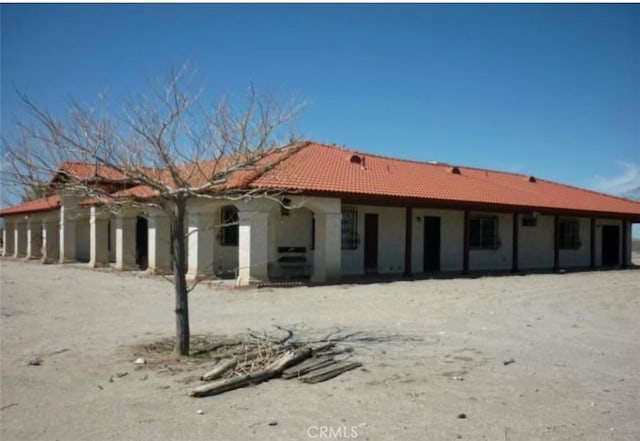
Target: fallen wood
x=289 y=359
x=329 y=372
x=273 y=370
x=219 y=369
x=226 y=365
x=217 y=387
x=307 y=366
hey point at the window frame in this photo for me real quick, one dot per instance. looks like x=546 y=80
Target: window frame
x=349 y=229
x=569 y=234
x=484 y=241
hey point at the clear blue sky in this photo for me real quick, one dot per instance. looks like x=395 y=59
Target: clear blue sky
x=548 y=90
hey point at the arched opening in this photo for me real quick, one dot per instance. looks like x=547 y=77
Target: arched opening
x=142 y=243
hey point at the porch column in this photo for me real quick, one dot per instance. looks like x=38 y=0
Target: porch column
x=50 y=240
x=20 y=240
x=200 y=244
x=328 y=252
x=34 y=238
x=253 y=252
x=625 y=243
x=8 y=241
x=99 y=237
x=67 y=235
x=159 y=244
x=125 y=241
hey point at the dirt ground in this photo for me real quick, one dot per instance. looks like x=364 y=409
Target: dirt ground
x=574 y=340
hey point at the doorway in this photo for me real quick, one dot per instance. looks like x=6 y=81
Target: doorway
x=142 y=243
x=610 y=245
x=431 y=259
x=370 y=243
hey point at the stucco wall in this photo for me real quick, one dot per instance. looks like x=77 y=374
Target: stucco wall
x=451 y=239
x=535 y=244
x=391 y=232
x=499 y=258
x=581 y=256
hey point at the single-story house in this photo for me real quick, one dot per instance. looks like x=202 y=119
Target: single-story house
x=343 y=213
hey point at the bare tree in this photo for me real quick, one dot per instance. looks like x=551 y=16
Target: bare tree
x=164 y=149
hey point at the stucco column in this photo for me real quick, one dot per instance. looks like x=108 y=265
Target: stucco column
x=200 y=248
x=159 y=244
x=34 y=238
x=20 y=239
x=327 y=253
x=125 y=242
x=253 y=251
x=67 y=235
x=8 y=241
x=50 y=240
x=99 y=238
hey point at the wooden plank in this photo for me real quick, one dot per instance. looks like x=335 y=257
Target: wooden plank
x=220 y=386
x=329 y=372
x=307 y=366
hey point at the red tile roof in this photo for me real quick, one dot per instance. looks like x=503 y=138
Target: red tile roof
x=324 y=168
x=37 y=205
x=321 y=168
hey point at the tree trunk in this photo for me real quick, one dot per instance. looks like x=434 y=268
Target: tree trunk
x=180 y=278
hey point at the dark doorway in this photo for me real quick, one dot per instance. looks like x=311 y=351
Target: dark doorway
x=610 y=245
x=431 y=262
x=370 y=243
x=142 y=243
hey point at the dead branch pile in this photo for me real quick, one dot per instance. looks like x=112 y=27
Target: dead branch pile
x=264 y=358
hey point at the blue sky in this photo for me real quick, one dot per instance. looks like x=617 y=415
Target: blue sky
x=548 y=90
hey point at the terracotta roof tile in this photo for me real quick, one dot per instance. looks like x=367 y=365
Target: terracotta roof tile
x=37 y=205
x=320 y=167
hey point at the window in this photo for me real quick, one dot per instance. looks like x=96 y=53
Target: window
x=313 y=232
x=284 y=207
x=229 y=230
x=529 y=221
x=349 y=228
x=568 y=234
x=483 y=232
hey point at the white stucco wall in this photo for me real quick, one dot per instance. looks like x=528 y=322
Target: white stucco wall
x=535 y=244
x=451 y=239
x=391 y=237
x=499 y=258
x=581 y=256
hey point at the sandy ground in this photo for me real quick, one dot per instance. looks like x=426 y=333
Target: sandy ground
x=575 y=340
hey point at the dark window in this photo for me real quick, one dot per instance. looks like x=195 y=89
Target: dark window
x=349 y=228
x=313 y=233
x=229 y=228
x=568 y=234
x=284 y=207
x=483 y=232
x=529 y=221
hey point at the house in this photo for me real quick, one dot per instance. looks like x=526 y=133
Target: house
x=344 y=213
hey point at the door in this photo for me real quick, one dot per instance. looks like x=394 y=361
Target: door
x=142 y=243
x=431 y=259
x=610 y=245
x=370 y=243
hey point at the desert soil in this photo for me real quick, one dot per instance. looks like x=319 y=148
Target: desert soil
x=437 y=351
